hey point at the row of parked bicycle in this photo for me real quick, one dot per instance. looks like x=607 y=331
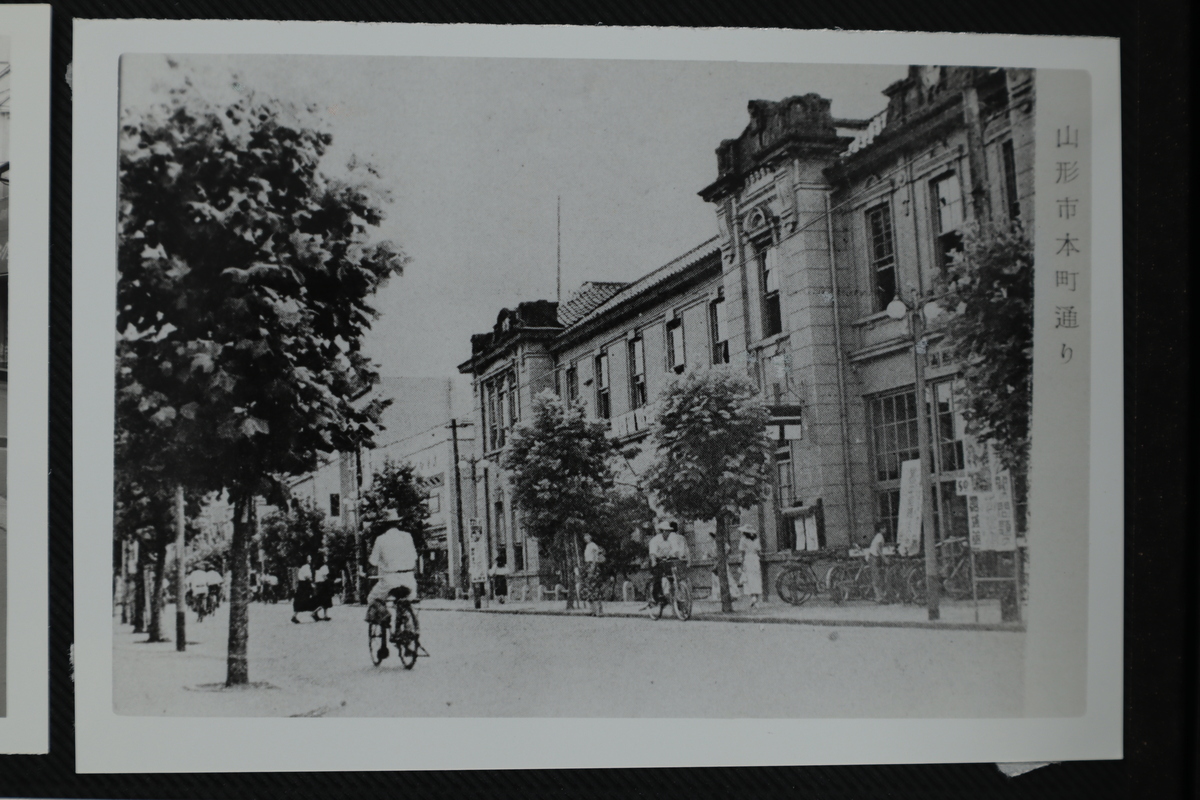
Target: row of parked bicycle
x=903 y=578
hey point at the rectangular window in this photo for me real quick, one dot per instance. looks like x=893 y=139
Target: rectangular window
x=572 y=383
x=882 y=253
x=492 y=418
x=502 y=419
x=676 y=355
x=783 y=497
x=1009 y=163
x=637 y=373
x=514 y=407
x=335 y=505
x=947 y=217
x=948 y=428
x=768 y=274
x=519 y=556
x=716 y=324
x=603 y=398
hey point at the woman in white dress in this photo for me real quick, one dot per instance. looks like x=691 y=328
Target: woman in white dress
x=751 y=565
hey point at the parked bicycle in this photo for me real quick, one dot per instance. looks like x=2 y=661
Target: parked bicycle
x=677 y=590
x=797 y=582
x=406 y=630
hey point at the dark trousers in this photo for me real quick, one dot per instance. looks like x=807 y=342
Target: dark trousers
x=875 y=564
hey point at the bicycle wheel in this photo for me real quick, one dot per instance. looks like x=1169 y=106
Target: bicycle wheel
x=957 y=585
x=840 y=583
x=797 y=584
x=682 y=601
x=916 y=583
x=895 y=583
x=407 y=636
x=375 y=641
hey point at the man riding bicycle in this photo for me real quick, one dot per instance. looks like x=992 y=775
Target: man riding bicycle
x=395 y=557
x=669 y=544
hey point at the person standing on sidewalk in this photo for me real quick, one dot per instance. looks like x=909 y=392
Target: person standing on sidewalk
x=734 y=593
x=323 y=590
x=303 y=601
x=751 y=564
x=875 y=561
x=593 y=557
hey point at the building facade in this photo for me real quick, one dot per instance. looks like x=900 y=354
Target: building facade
x=822 y=222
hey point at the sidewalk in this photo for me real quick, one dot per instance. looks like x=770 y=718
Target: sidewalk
x=156 y=680
x=955 y=615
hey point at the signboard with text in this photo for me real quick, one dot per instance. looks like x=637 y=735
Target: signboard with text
x=908 y=526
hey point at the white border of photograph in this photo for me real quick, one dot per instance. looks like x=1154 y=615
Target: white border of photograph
x=26 y=727
x=267 y=744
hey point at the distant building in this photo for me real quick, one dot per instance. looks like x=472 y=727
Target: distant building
x=416 y=431
x=822 y=222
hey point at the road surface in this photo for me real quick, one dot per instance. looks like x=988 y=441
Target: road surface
x=485 y=664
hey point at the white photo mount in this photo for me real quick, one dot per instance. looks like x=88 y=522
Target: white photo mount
x=1086 y=726
x=24 y=727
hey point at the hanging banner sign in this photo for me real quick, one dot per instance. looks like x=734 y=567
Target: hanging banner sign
x=478 y=553
x=908 y=527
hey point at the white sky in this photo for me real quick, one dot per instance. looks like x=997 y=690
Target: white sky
x=477 y=150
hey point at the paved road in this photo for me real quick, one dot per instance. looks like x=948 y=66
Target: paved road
x=548 y=666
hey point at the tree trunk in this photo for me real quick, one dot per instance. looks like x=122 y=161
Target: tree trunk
x=237 y=664
x=139 y=592
x=154 y=629
x=723 y=563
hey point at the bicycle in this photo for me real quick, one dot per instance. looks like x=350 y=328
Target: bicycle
x=797 y=582
x=406 y=633
x=955 y=581
x=849 y=580
x=677 y=590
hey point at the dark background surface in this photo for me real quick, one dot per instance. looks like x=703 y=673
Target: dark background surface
x=1161 y=700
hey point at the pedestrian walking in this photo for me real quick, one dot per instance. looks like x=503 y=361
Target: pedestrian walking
x=216 y=583
x=304 y=599
x=875 y=561
x=593 y=557
x=499 y=576
x=198 y=583
x=323 y=591
x=751 y=549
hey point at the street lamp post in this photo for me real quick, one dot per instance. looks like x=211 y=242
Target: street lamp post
x=897 y=310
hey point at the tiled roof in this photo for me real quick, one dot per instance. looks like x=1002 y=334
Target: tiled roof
x=649 y=281
x=864 y=138
x=590 y=295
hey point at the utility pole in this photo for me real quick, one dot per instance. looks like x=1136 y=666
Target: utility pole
x=931 y=563
x=458 y=509
x=558 y=251
x=180 y=569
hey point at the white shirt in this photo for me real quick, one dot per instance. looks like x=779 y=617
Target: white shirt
x=678 y=545
x=591 y=552
x=876 y=548
x=322 y=573
x=304 y=573
x=660 y=548
x=394 y=551
x=199 y=582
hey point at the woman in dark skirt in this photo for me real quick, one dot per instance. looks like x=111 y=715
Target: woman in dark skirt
x=323 y=591
x=304 y=600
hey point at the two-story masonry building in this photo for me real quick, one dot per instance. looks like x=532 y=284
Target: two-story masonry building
x=821 y=223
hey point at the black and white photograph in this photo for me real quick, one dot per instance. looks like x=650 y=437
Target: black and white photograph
x=24 y=244
x=601 y=390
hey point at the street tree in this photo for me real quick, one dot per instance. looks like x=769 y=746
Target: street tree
x=245 y=279
x=713 y=456
x=988 y=291
x=620 y=528
x=560 y=477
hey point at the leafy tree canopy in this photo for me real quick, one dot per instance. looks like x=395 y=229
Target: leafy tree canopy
x=398 y=486
x=713 y=454
x=559 y=472
x=245 y=276
x=989 y=290
x=288 y=537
